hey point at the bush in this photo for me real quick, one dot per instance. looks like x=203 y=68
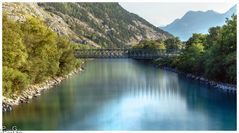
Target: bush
x=14 y=81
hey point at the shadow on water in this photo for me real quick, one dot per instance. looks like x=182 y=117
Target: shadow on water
x=124 y=94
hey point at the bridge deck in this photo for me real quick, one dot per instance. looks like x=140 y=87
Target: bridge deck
x=123 y=53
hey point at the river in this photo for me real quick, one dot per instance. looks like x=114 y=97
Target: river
x=124 y=94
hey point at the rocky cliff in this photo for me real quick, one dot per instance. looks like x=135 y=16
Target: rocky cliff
x=98 y=24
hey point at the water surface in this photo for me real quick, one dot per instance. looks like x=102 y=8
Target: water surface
x=124 y=94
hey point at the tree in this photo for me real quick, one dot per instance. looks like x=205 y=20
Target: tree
x=161 y=46
x=213 y=36
x=191 y=58
x=14 y=51
x=32 y=53
x=14 y=81
x=150 y=44
x=229 y=34
x=196 y=38
x=173 y=44
x=220 y=58
x=228 y=46
x=43 y=60
x=67 y=61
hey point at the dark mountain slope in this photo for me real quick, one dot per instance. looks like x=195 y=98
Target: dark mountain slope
x=107 y=24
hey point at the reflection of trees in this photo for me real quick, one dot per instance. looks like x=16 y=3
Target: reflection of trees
x=103 y=85
x=106 y=81
x=44 y=112
x=221 y=107
x=125 y=75
x=156 y=82
x=98 y=85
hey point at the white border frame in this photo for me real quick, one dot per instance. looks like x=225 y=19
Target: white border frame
x=160 y=1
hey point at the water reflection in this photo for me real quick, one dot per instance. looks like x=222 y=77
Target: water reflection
x=122 y=94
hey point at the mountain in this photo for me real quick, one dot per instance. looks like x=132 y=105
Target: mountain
x=98 y=24
x=197 y=22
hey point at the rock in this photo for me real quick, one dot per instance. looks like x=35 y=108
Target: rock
x=21 y=101
x=33 y=91
x=202 y=79
x=6 y=107
x=37 y=91
x=224 y=87
x=9 y=108
x=36 y=95
x=29 y=97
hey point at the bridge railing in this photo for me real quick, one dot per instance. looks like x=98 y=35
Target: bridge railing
x=123 y=53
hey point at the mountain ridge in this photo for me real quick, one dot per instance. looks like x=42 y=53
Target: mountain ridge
x=97 y=24
x=197 y=22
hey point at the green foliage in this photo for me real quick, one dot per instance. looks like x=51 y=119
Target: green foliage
x=43 y=60
x=169 y=45
x=173 y=44
x=212 y=56
x=191 y=59
x=214 y=35
x=32 y=53
x=14 y=50
x=14 y=81
x=220 y=58
x=196 y=38
x=67 y=60
x=150 y=44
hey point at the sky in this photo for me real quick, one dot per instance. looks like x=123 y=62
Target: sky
x=161 y=14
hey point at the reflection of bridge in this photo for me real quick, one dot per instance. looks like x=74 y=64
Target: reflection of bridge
x=123 y=53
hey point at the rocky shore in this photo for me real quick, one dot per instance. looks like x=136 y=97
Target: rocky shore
x=34 y=91
x=229 y=88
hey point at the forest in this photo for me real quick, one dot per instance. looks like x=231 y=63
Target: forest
x=211 y=55
x=32 y=53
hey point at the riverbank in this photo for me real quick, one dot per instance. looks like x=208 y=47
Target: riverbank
x=35 y=90
x=229 y=88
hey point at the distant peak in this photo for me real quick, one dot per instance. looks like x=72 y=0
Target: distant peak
x=233 y=9
x=175 y=21
x=193 y=13
x=190 y=12
x=210 y=11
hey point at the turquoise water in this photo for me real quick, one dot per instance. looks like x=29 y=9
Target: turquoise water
x=124 y=94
